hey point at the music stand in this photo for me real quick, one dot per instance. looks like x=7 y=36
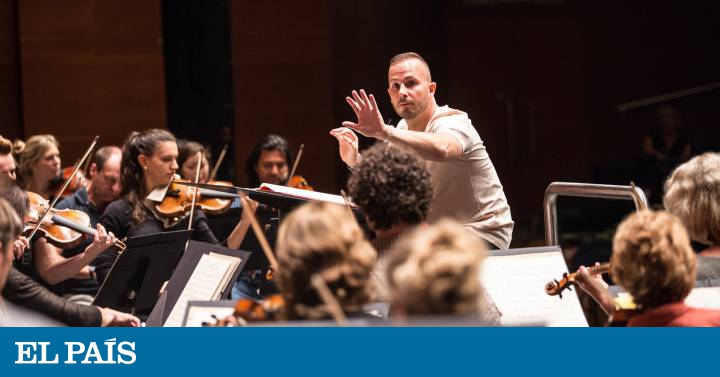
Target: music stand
x=184 y=271
x=133 y=283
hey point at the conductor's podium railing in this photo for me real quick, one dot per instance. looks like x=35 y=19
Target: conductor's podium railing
x=586 y=190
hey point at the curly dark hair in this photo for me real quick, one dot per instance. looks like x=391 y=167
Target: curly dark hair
x=392 y=186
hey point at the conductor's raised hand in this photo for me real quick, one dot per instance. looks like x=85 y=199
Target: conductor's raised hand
x=370 y=122
x=347 y=145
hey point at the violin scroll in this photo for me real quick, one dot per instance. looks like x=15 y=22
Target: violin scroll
x=555 y=287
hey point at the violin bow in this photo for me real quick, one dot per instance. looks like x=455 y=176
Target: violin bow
x=218 y=162
x=200 y=155
x=297 y=161
x=67 y=183
x=329 y=299
x=347 y=203
x=258 y=232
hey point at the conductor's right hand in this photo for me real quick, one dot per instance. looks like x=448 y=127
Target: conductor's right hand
x=347 y=144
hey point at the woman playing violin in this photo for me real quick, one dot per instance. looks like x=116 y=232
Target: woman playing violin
x=46 y=261
x=39 y=165
x=653 y=260
x=149 y=161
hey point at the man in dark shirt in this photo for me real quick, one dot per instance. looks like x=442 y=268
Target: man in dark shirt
x=103 y=188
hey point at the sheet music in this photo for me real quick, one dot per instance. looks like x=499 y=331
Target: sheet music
x=202 y=285
x=234 y=263
x=707 y=297
x=304 y=194
x=517 y=285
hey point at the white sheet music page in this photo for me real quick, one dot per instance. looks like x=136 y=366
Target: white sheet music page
x=202 y=285
x=517 y=285
x=304 y=194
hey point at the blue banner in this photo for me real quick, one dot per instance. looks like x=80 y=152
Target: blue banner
x=354 y=351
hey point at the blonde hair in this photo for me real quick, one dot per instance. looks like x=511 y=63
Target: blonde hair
x=34 y=149
x=324 y=239
x=652 y=259
x=692 y=193
x=436 y=270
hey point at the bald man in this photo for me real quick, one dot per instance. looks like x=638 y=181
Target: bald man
x=465 y=184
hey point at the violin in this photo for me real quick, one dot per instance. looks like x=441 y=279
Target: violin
x=555 y=288
x=79 y=181
x=65 y=228
x=179 y=198
x=247 y=310
x=299 y=182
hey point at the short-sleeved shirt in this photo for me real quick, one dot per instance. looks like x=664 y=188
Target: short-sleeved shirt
x=467 y=189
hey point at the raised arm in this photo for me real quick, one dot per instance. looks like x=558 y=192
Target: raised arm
x=430 y=146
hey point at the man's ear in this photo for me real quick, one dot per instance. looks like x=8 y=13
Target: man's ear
x=93 y=170
x=432 y=87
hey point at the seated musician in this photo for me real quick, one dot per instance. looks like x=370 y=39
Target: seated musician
x=653 y=260
x=148 y=162
x=39 y=165
x=23 y=291
x=324 y=239
x=46 y=261
x=392 y=187
x=187 y=160
x=691 y=194
x=7 y=162
x=435 y=270
x=10 y=229
x=268 y=162
x=103 y=188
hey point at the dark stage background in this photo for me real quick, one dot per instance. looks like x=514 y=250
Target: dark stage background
x=540 y=79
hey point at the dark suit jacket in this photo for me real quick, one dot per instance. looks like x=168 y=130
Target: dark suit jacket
x=24 y=291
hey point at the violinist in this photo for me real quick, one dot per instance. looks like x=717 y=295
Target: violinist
x=149 y=161
x=188 y=160
x=47 y=263
x=7 y=162
x=269 y=162
x=39 y=165
x=653 y=261
x=435 y=271
x=27 y=293
x=103 y=188
x=324 y=239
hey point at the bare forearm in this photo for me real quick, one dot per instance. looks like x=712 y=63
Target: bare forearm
x=430 y=146
x=58 y=269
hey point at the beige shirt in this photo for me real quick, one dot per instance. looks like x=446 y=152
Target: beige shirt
x=467 y=189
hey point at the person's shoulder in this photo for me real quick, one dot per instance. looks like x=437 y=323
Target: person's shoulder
x=118 y=206
x=445 y=116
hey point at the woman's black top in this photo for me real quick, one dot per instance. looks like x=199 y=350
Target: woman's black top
x=117 y=219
